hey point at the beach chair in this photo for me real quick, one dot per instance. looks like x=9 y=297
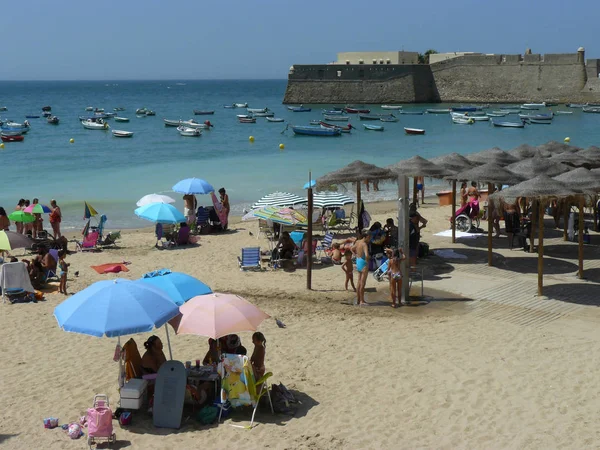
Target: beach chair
x=297 y=237
x=89 y=242
x=250 y=258
x=202 y=216
x=238 y=386
x=326 y=243
x=110 y=240
x=265 y=227
x=14 y=278
x=133 y=360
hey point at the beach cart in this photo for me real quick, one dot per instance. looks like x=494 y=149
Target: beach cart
x=99 y=420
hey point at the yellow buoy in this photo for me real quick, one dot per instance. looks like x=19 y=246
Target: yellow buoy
x=567 y=139
x=71 y=140
x=251 y=138
x=2 y=145
x=281 y=146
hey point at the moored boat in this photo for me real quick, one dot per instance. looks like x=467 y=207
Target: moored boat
x=373 y=127
x=95 y=124
x=3 y=108
x=538 y=121
x=189 y=132
x=299 y=109
x=119 y=108
x=121 y=119
x=141 y=111
x=345 y=129
x=462 y=120
x=479 y=118
x=247 y=120
x=593 y=110
x=316 y=131
x=357 y=110
x=53 y=120
x=394 y=107
x=240 y=105
x=438 y=110
x=89 y=108
x=12 y=138
x=122 y=133
x=412 y=113
x=200 y=112
x=46 y=108
x=32 y=116
x=575 y=105
x=530 y=107
x=537 y=116
x=414 y=130
x=150 y=113
x=332 y=112
x=274 y=119
x=257 y=110
x=170 y=123
x=389 y=119
x=206 y=125
x=336 y=118
x=505 y=124
x=563 y=112
x=496 y=114
x=46 y=114
x=263 y=114
x=464 y=108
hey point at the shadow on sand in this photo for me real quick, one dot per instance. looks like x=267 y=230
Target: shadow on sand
x=578 y=293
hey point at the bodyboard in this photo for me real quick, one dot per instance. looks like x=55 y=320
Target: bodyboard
x=169 y=395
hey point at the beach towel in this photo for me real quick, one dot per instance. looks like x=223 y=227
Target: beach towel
x=156 y=273
x=459 y=234
x=15 y=276
x=133 y=360
x=237 y=384
x=219 y=210
x=110 y=268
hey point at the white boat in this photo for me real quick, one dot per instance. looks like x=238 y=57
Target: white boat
x=463 y=120
x=478 y=118
x=496 y=114
x=150 y=113
x=244 y=116
x=3 y=108
x=263 y=114
x=122 y=133
x=563 y=112
x=171 y=123
x=241 y=105
x=257 y=110
x=396 y=107
x=94 y=124
x=274 y=119
x=99 y=110
x=121 y=119
x=141 y=111
x=193 y=124
x=191 y=132
x=89 y=108
x=336 y=118
x=534 y=105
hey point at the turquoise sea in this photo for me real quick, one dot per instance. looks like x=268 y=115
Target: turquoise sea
x=112 y=173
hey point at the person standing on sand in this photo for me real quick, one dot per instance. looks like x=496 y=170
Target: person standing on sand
x=361 y=249
x=421 y=187
x=190 y=205
x=4 y=220
x=37 y=225
x=19 y=207
x=55 y=219
x=463 y=194
x=348 y=269
x=224 y=199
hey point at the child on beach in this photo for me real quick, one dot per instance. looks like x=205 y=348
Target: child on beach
x=64 y=268
x=348 y=268
x=336 y=254
x=395 y=275
x=258 y=355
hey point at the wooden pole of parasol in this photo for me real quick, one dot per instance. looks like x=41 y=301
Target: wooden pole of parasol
x=490 y=222
x=595 y=206
x=565 y=203
x=580 y=249
x=533 y=224
x=415 y=191
x=358 y=218
x=403 y=233
x=452 y=221
x=540 y=249
x=309 y=232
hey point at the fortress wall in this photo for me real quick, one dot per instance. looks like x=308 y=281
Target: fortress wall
x=502 y=78
x=337 y=83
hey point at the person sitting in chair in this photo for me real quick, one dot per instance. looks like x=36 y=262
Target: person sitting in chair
x=183 y=236
x=154 y=356
x=286 y=246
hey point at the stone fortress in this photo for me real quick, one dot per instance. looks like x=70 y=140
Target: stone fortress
x=397 y=77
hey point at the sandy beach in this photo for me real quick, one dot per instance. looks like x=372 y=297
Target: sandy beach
x=480 y=362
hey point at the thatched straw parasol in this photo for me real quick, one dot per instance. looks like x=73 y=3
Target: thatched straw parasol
x=582 y=179
x=553 y=147
x=524 y=151
x=493 y=155
x=532 y=167
x=542 y=188
x=417 y=167
x=355 y=172
x=488 y=173
x=575 y=159
x=453 y=162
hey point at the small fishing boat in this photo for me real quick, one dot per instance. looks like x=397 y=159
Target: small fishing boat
x=53 y=120
x=332 y=112
x=479 y=118
x=336 y=118
x=89 y=108
x=337 y=108
x=414 y=130
x=462 y=120
x=14 y=128
x=548 y=104
x=200 y=112
x=373 y=127
x=464 y=108
x=505 y=124
x=299 y=109
x=316 y=131
x=99 y=110
x=122 y=133
x=576 y=105
x=240 y=105
x=593 y=110
x=109 y=115
x=94 y=124
x=257 y=110
x=244 y=116
x=537 y=116
x=119 y=108
x=193 y=124
x=12 y=138
x=274 y=119
x=168 y=122
x=46 y=114
x=357 y=111
x=394 y=107
x=141 y=111
x=247 y=120
x=533 y=105
x=374 y=116
x=150 y=113
x=229 y=106
x=46 y=108
x=13 y=131
x=563 y=112
x=496 y=114
x=345 y=129
x=32 y=116
x=315 y=122
x=412 y=113
x=3 y=108
x=538 y=121
x=263 y=114
x=389 y=119
x=508 y=111
x=121 y=119
x=438 y=111
x=529 y=107
x=189 y=132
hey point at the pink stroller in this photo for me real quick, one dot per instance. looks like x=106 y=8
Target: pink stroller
x=467 y=216
x=99 y=420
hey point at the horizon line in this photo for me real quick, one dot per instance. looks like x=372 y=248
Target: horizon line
x=146 y=79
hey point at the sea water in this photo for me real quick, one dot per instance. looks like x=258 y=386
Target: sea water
x=113 y=173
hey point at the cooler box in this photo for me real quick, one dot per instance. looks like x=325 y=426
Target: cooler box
x=133 y=394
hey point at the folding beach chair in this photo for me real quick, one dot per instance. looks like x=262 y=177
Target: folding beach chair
x=89 y=242
x=250 y=258
x=238 y=385
x=326 y=243
x=202 y=216
x=14 y=278
x=110 y=240
x=132 y=360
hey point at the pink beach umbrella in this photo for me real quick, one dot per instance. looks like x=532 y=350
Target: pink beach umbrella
x=216 y=315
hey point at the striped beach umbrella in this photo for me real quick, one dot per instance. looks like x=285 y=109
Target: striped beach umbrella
x=284 y=216
x=328 y=199
x=279 y=199
x=88 y=211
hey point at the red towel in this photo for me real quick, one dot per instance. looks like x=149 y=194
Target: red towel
x=110 y=268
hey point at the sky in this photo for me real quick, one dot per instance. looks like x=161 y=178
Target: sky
x=261 y=39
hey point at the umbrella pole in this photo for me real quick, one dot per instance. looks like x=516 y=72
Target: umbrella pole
x=309 y=233
x=168 y=342
x=358 y=200
x=540 y=250
x=565 y=220
x=595 y=206
x=580 y=250
x=415 y=197
x=490 y=223
x=452 y=221
x=403 y=234
x=533 y=224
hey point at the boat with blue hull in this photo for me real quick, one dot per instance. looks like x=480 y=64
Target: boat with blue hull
x=299 y=109
x=316 y=131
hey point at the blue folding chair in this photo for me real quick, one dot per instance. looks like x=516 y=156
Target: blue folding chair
x=250 y=259
x=202 y=217
x=297 y=237
x=326 y=243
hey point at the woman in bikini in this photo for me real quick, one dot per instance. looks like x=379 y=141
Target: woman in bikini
x=361 y=249
x=463 y=194
x=55 y=219
x=154 y=356
x=395 y=275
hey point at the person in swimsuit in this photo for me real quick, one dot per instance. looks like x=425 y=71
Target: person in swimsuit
x=395 y=275
x=20 y=207
x=64 y=269
x=348 y=269
x=421 y=188
x=336 y=253
x=154 y=356
x=463 y=194
x=473 y=192
x=4 y=220
x=190 y=204
x=55 y=219
x=258 y=356
x=224 y=199
x=361 y=249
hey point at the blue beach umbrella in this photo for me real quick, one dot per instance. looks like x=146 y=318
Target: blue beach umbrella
x=160 y=213
x=193 y=186
x=310 y=184
x=180 y=287
x=115 y=308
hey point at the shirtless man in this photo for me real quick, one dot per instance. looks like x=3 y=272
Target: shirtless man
x=361 y=250
x=189 y=208
x=473 y=192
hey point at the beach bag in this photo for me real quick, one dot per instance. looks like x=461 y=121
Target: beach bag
x=125 y=418
x=207 y=415
x=99 y=421
x=50 y=422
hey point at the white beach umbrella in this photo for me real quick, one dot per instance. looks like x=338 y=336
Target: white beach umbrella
x=280 y=199
x=328 y=199
x=154 y=198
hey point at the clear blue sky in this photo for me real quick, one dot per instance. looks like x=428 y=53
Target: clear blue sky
x=208 y=39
